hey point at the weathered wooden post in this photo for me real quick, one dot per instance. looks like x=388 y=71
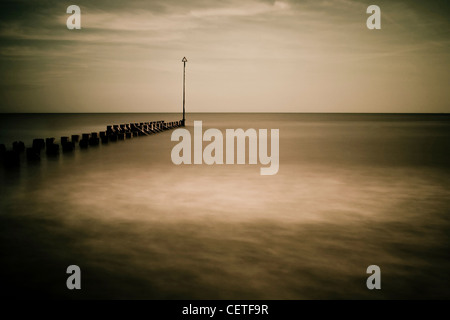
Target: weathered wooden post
x=94 y=140
x=49 y=141
x=84 y=142
x=66 y=145
x=75 y=138
x=38 y=144
x=52 y=149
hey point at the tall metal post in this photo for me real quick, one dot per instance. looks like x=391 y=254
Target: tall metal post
x=184 y=87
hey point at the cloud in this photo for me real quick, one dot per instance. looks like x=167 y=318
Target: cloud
x=256 y=45
x=241 y=9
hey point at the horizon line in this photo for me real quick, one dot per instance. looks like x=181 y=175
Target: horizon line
x=373 y=113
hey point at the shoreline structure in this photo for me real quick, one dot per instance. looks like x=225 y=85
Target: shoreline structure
x=112 y=134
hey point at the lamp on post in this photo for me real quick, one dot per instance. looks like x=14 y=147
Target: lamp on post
x=184 y=86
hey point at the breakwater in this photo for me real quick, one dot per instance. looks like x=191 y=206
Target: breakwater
x=53 y=147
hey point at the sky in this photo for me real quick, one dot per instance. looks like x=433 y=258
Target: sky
x=243 y=56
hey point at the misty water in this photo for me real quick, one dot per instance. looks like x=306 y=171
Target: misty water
x=351 y=191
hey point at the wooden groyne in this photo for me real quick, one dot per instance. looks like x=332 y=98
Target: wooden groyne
x=111 y=134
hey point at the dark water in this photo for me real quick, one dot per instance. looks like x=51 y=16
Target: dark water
x=351 y=191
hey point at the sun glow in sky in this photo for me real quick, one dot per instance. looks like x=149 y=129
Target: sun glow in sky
x=251 y=56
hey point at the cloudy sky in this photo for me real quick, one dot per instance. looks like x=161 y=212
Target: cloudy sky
x=243 y=55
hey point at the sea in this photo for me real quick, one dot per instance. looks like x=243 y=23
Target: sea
x=352 y=191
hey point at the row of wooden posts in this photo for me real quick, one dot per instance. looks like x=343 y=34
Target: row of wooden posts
x=112 y=134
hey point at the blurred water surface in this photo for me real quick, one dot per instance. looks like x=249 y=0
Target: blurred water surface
x=352 y=190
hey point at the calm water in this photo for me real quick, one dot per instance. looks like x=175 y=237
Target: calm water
x=352 y=191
